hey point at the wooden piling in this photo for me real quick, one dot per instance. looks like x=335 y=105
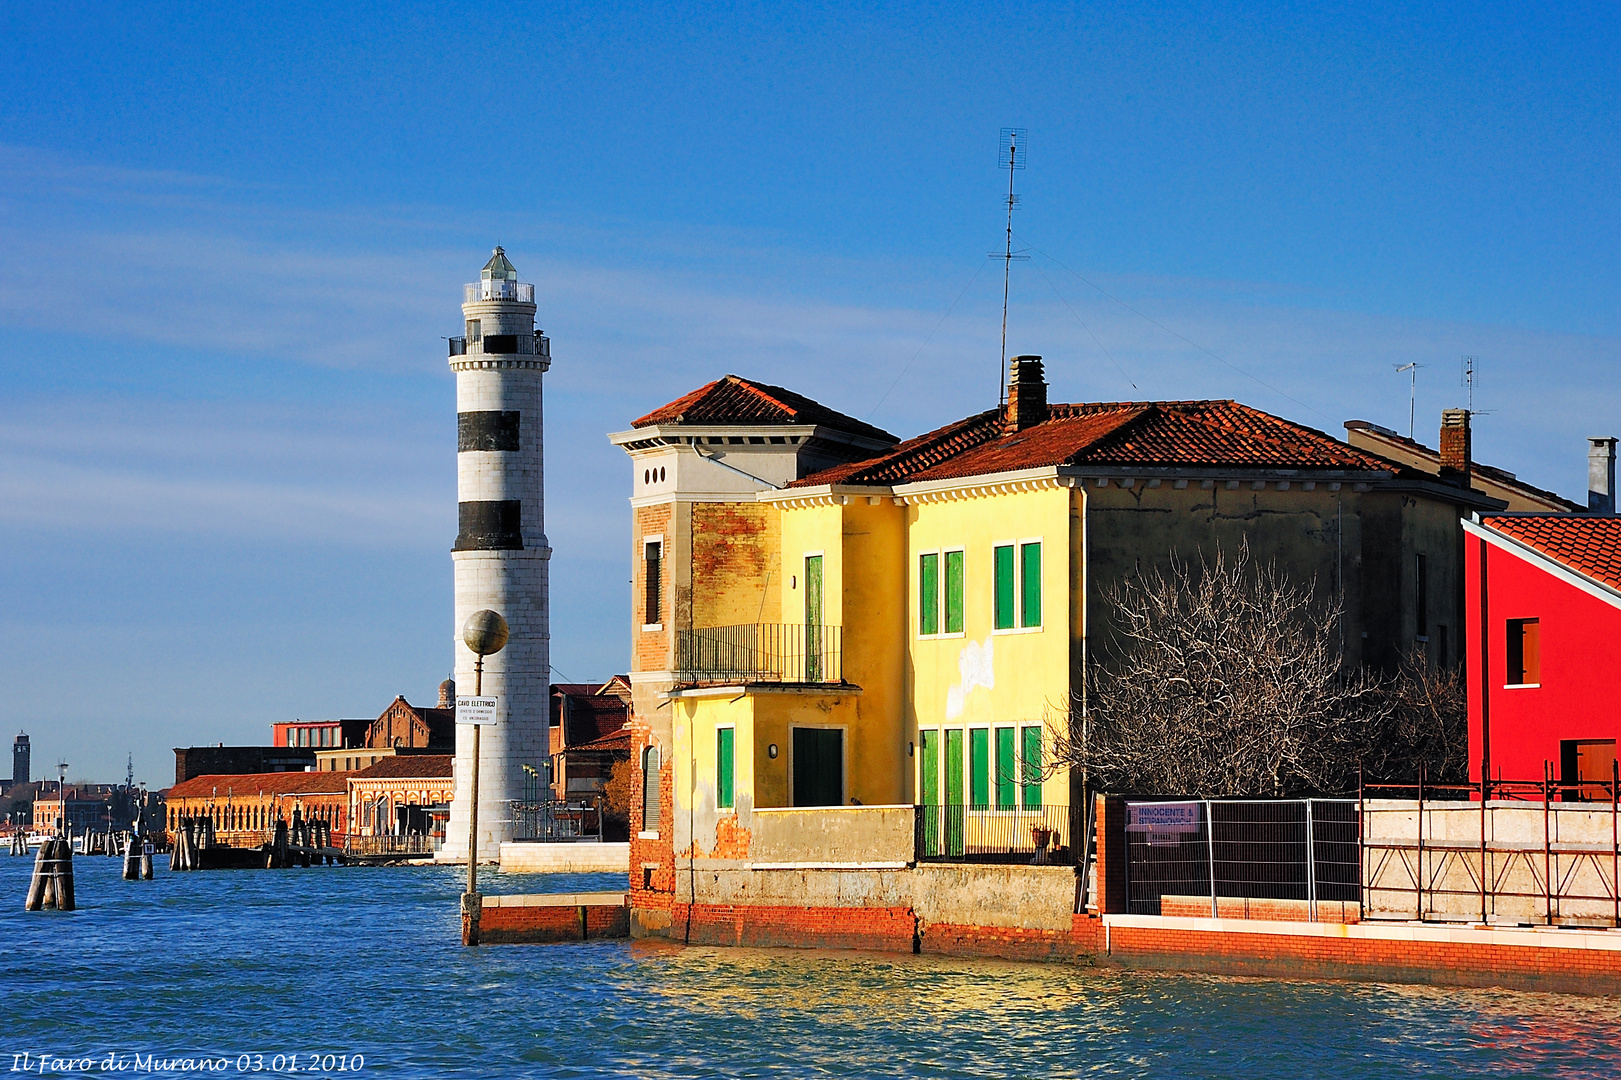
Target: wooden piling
x=64 y=878
x=146 y=863
x=36 y=885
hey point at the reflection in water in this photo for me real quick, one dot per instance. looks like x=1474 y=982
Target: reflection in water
x=367 y=961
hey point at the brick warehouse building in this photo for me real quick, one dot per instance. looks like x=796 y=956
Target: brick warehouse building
x=887 y=567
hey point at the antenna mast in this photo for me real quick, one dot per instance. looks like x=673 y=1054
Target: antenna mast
x=1012 y=159
x=1412 y=394
x=1470 y=378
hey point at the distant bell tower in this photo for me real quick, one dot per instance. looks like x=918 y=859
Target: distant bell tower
x=501 y=554
x=21 y=759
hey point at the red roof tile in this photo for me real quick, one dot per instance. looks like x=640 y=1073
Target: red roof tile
x=735 y=400
x=407 y=767
x=270 y=783
x=1150 y=434
x=1588 y=545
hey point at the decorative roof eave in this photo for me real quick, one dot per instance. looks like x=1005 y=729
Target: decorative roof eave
x=662 y=435
x=1569 y=575
x=974 y=487
x=822 y=495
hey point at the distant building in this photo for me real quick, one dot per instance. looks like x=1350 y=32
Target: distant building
x=193 y=761
x=79 y=808
x=245 y=806
x=1486 y=479
x=588 y=735
x=402 y=729
x=402 y=796
x=21 y=759
x=319 y=734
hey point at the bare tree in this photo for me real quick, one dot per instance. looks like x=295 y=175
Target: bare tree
x=1227 y=678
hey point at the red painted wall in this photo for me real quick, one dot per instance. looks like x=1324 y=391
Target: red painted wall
x=1580 y=692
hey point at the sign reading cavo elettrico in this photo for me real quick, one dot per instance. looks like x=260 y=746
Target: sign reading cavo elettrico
x=477 y=710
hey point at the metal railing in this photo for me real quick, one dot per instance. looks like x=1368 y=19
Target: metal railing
x=1026 y=835
x=1303 y=850
x=417 y=844
x=556 y=820
x=760 y=652
x=502 y=345
x=475 y=291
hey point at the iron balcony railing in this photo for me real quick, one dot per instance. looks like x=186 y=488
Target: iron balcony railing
x=760 y=652
x=521 y=291
x=1024 y=834
x=415 y=844
x=502 y=344
x=556 y=820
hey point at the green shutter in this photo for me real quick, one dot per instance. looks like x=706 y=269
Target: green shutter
x=1032 y=766
x=1030 y=584
x=951 y=811
x=953 y=592
x=979 y=767
x=928 y=594
x=725 y=793
x=929 y=745
x=1003 y=559
x=1007 y=771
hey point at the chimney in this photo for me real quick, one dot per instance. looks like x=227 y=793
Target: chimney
x=1026 y=394
x=1456 y=450
x=1601 y=476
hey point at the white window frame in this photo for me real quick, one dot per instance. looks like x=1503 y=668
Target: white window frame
x=1018 y=585
x=940 y=592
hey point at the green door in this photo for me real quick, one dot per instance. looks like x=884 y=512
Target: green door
x=952 y=808
x=813 y=619
x=929 y=767
x=818 y=767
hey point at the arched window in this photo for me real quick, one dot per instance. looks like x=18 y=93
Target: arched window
x=650 y=788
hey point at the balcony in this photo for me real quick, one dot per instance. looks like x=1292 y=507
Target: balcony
x=760 y=653
x=475 y=291
x=503 y=345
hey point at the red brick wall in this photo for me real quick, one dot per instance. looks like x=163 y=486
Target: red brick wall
x=652 y=862
x=651 y=648
x=539 y=925
x=1111 y=866
x=887 y=929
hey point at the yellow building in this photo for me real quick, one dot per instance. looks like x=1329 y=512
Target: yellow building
x=828 y=617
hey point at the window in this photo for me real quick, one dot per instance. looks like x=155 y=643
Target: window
x=979 y=761
x=1524 y=652
x=1032 y=766
x=725 y=793
x=1007 y=772
x=652 y=563
x=1421 y=595
x=928 y=594
x=954 y=622
x=1017 y=586
x=475 y=332
x=650 y=789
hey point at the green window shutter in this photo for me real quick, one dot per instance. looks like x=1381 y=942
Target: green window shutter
x=1032 y=766
x=929 y=744
x=725 y=793
x=954 y=766
x=1007 y=770
x=954 y=592
x=1003 y=560
x=1030 y=584
x=928 y=594
x=979 y=767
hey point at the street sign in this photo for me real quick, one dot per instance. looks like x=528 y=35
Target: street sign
x=477 y=710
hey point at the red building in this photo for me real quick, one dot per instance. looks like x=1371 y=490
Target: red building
x=1544 y=648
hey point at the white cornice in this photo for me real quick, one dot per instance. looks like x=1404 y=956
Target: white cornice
x=1545 y=562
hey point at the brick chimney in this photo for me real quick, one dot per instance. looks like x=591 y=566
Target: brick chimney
x=1026 y=394
x=1456 y=448
x=1601 y=476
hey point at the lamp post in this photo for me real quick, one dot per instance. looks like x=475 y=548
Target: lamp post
x=485 y=632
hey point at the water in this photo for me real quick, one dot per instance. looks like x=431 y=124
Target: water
x=367 y=961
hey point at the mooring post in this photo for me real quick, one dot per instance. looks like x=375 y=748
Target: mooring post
x=64 y=879
x=36 y=884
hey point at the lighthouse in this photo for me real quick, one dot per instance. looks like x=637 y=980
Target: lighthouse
x=500 y=555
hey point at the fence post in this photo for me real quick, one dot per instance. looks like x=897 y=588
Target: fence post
x=1311 y=867
x=1547 y=843
x=1418 y=860
x=1615 y=839
x=1485 y=794
x=1210 y=847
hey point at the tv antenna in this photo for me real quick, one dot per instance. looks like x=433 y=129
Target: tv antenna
x=1011 y=159
x=1470 y=378
x=1412 y=393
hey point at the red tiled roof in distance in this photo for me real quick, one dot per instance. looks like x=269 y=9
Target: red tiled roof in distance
x=273 y=783
x=735 y=400
x=407 y=767
x=1588 y=545
x=1150 y=434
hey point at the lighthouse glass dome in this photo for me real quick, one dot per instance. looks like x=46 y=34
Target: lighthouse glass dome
x=499 y=281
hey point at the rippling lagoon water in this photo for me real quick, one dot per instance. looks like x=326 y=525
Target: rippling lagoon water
x=368 y=962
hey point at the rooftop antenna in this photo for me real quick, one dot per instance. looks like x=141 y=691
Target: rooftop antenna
x=1412 y=394
x=1012 y=159
x=129 y=773
x=1471 y=378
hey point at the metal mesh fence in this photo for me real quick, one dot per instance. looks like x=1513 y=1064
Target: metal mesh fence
x=1293 y=849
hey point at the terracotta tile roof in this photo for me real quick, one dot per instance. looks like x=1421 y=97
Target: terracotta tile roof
x=407 y=767
x=735 y=400
x=1588 y=545
x=1160 y=434
x=615 y=740
x=1490 y=472
x=269 y=783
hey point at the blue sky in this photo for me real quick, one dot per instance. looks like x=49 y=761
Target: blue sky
x=234 y=236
